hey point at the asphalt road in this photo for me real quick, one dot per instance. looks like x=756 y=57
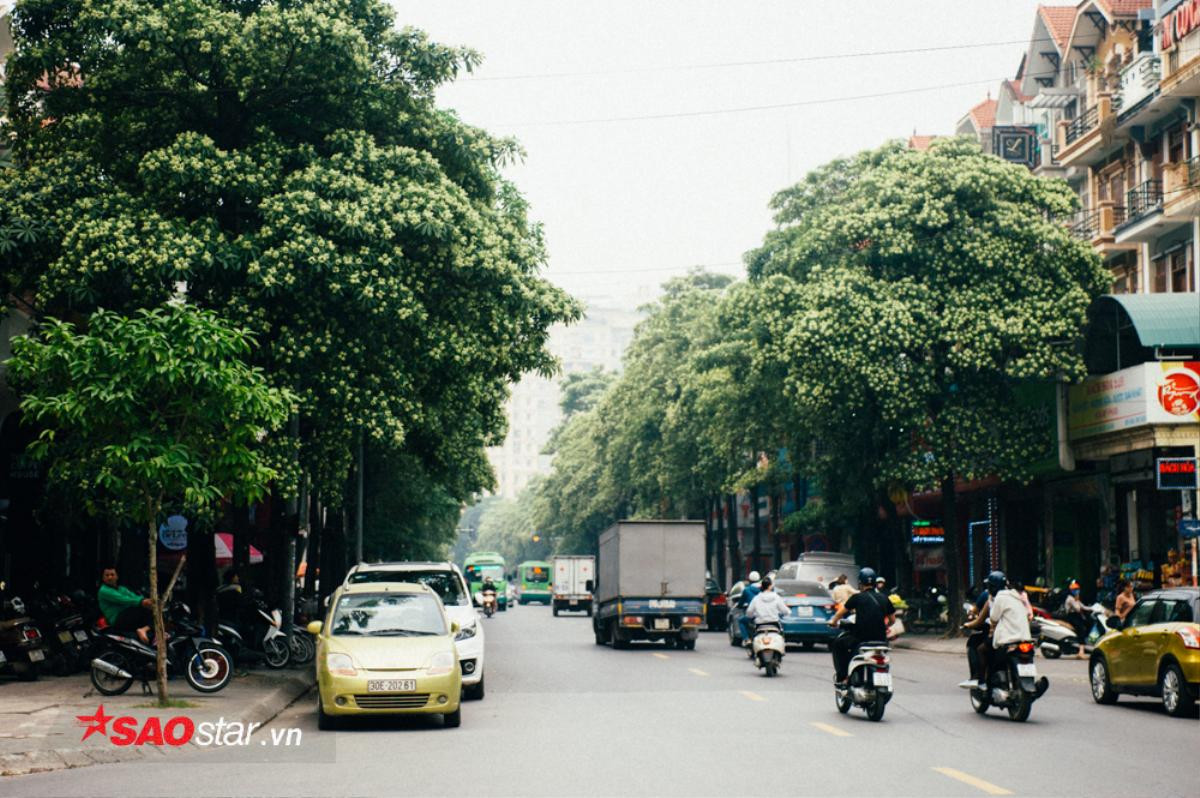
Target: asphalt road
x=564 y=717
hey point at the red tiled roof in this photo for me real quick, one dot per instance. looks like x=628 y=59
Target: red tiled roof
x=1015 y=87
x=1059 y=21
x=984 y=114
x=916 y=142
x=1124 y=8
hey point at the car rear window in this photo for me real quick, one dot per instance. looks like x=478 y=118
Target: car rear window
x=1180 y=612
x=445 y=583
x=798 y=588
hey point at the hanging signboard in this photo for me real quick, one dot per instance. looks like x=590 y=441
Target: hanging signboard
x=1176 y=473
x=1149 y=393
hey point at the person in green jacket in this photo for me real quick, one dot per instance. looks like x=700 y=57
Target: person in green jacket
x=124 y=610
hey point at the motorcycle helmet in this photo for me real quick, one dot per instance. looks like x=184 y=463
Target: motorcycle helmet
x=866 y=576
x=754 y=576
x=996 y=582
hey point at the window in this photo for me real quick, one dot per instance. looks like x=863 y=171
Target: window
x=1159 y=269
x=1179 y=612
x=388 y=614
x=445 y=583
x=1176 y=145
x=1140 y=615
x=1182 y=270
x=1160 y=611
x=1125 y=273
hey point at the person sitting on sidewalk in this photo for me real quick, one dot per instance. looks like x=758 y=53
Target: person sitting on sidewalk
x=124 y=610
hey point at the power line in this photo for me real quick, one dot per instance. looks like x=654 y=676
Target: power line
x=737 y=64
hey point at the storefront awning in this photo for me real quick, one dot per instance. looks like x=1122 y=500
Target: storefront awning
x=1170 y=321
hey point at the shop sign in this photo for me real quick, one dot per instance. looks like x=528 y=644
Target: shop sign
x=1149 y=393
x=1176 y=473
x=173 y=533
x=929 y=559
x=1179 y=23
x=927 y=532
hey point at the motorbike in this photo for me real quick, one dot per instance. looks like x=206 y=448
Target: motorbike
x=22 y=647
x=69 y=643
x=1054 y=638
x=487 y=599
x=869 y=678
x=768 y=647
x=121 y=659
x=258 y=636
x=1012 y=682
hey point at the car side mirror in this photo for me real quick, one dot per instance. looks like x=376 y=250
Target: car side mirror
x=314 y=627
x=454 y=627
x=589 y=586
x=1113 y=622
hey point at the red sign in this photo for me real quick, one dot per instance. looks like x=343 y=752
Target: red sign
x=1177 y=473
x=1180 y=22
x=1179 y=391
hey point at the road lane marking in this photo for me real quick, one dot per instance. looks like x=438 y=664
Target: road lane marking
x=834 y=730
x=697 y=671
x=980 y=784
x=661 y=656
x=752 y=696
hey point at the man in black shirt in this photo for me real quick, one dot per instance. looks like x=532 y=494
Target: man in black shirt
x=873 y=614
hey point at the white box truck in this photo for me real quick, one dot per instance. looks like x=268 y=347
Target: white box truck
x=572 y=573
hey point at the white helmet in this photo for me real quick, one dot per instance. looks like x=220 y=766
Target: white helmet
x=754 y=576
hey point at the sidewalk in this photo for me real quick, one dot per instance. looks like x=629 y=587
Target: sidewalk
x=39 y=729
x=936 y=644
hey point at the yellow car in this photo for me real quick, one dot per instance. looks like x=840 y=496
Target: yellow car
x=386 y=648
x=1156 y=651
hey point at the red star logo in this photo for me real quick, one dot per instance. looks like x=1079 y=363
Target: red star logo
x=95 y=723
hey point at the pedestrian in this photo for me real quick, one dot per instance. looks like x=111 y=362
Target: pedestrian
x=123 y=609
x=1125 y=598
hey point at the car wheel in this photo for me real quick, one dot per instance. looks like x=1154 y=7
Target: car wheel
x=452 y=720
x=475 y=692
x=1176 y=698
x=1102 y=689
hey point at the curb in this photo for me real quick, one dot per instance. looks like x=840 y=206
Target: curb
x=289 y=689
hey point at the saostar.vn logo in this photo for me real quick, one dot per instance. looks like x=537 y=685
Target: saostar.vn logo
x=178 y=730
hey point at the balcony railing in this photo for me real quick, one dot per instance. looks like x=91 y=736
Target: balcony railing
x=1193 y=172
x=1139 y=80
x=1081 y=125
x=1144 y=199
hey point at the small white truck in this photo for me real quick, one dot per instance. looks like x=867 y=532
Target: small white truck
x=572 y=593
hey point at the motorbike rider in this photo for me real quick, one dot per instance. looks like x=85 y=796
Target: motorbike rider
x=1073 y=610
x=488 y=585
x=1007 y=618
x=979 y=644
x=749 y=592
x=123 y=609
x=768 y=607
x=873 y=613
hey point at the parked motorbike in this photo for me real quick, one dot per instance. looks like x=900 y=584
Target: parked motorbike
x=257 y=636
x=121 y=659
x=768 y=647
x=67 y=637
x=1014 y=686
x=869 y=678
x=1054 y=637
x=22 y=647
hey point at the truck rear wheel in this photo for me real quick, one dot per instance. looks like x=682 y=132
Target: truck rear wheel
x=618 y=639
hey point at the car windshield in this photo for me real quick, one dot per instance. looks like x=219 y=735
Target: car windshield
x=445 y=583
x=388 y=614
x=798 y=588
x=477 y=573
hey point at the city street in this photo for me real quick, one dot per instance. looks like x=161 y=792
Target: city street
x=565 y=717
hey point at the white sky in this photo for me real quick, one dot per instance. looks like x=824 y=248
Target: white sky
x=627 y=204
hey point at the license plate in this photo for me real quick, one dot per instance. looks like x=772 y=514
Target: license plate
x=81 y=635
x=662 y=623
x=883 y=680
x=36 y=655
x=64 y=636
x=1026 y=669
x=804 y=612
x=574 y=602
x=391 y=685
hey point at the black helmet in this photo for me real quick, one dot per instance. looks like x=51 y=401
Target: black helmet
x=866 y=576
x=996 y=582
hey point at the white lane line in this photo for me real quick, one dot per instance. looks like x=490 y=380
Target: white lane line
x=697 y=671
x=752 y=696
x=661 y=656
x=979 y=784
x=834 y=730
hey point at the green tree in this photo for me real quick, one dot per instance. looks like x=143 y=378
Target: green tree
x=148 y=409
x=916 y=299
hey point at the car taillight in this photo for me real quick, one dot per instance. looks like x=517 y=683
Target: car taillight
x=31 y=633
x=692 y=620
x=631 y=620
x=801 y=595
x=1189 y=637
x=719 y=600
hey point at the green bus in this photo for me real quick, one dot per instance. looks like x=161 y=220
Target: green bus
x=480 y=564
x=534 y=581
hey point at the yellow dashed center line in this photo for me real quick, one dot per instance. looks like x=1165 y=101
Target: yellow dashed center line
x=979 y=784
x=752 y=696
x=661 y=656
x=834 y=730
x=697 y=671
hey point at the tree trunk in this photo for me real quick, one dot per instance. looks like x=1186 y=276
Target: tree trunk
x=954 y=586
x=776 y=521
x=241 y=539
x=721 y=527
x=757 y=529
x=735 y=555
x=901 y=541
x=312 y=554
x=160 y=634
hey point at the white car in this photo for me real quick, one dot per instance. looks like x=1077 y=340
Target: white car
x=448 y=582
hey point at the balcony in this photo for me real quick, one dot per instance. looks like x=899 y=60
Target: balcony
x=1181 y=68
x=1181 y=189
x=1098 y=227
x=1083 y=140
x=1139 y=83
x=1143 y=219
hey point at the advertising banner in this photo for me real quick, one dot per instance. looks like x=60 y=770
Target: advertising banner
x=1166 y=392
